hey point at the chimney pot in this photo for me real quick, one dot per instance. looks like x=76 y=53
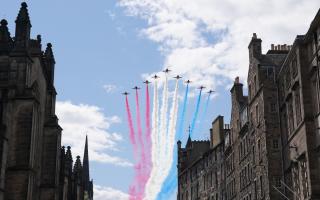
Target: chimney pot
x=272 y=46
x=254 y=36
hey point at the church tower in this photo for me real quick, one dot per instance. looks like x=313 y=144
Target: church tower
x=33 y=165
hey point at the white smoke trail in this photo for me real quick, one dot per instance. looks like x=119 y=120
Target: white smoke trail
x=172 y=126
x=159 y=153
x=155 y=144
x=163 y=120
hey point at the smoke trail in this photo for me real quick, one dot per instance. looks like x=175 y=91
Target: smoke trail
x=172 y=124
x=139 y=123
x=148 y=132
x=148 y=127
x=194 y=120
x=183 y=113
x=171 y=182
x=170 y=147
x=132 y=189
x=131 y=129
x=163 y=118
x=160 y=159
x=148 y=163
x=152 y=181
x=140 y=179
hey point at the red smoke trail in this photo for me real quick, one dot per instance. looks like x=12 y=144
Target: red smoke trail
x=139 y=126
x=132 y=189
x=131 y=129
x=142 y=172
x=148 y=119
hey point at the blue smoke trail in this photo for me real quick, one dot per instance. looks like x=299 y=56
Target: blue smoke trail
x=183 y=113
x=194 y=120
x=171 y=182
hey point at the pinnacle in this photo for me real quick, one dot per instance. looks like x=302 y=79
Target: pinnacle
x=4 y=22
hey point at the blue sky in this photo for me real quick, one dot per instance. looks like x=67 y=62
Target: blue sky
x=105 y=47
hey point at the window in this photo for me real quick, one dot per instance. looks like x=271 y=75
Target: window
x=257 y=114
x=287 y=78
x=277 y=182
x=261 y=186
x=253 y=155
x=298 y=106
x=273 y=107
x=290 y=117
x=259 y=149
x=275 y=143
x=255 y=84
x=294 y=68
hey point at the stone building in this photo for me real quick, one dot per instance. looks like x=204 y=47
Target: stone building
x=272 y=150
x=33 y=165
x=200 y=165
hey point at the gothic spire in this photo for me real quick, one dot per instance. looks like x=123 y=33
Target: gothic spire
x=77 y=171
x=77 y=165
x=23 y=27
x=86 y=174
x=49 y=53
x=23 y=16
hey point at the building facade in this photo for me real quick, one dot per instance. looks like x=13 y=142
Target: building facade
x=272 y=150
x=33 y=165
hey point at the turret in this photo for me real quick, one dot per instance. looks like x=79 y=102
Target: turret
x=23 y=28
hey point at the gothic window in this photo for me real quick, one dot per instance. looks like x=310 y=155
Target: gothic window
x=296 y=179
x=255 y=84
x=250 y=91
x=287 y=78
x=259 y=149
x=255 y=189
x=20 y=150
x=261 y=186
x=294 y=67
x=216 y=178
x=257 y=114
x=253 y=155
x=298 y=105
x=304 y=177
x=284 y=124
x=290 y=116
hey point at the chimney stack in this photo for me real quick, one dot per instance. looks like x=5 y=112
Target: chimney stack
x=237 y=80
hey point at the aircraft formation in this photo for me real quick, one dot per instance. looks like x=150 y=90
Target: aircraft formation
x=154 y=136
x=167 y=71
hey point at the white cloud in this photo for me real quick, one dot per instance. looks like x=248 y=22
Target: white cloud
x=79 y=120
x=182 y=30
x=109 y=88
x=107 y=193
